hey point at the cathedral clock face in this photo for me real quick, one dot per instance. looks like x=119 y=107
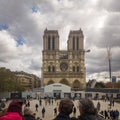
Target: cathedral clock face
x=63 y=66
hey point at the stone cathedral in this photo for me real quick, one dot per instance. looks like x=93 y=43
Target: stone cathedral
x=64 y=66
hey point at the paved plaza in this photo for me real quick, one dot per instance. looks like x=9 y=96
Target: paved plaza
x=49 y=114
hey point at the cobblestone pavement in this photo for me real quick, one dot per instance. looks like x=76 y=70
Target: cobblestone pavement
x=49 y=114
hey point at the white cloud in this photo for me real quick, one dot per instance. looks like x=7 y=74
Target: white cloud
x=7 y=46
x=99 y=20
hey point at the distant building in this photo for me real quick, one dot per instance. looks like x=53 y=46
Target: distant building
x=3 y=69
x=28 y=81
x=114 y=79
x=64 y=66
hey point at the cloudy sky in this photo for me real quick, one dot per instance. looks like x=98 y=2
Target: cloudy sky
x=22 y=23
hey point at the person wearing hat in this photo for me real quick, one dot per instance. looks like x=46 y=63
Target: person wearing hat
x=88 y=110
x=14 y=111
x=28 y=114
x=65 y=109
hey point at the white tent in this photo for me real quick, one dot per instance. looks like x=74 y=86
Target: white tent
x=57 y=90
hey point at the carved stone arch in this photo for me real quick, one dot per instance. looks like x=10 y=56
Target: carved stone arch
x=64 y=81
x=50 y=82
x=76 y=85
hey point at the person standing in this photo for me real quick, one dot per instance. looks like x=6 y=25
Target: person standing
x=117 y=114
x=40 y=102
x=43 y=112
x=36 y=106
x=52 y=101
x=106 y=114
x=113 y=102
x=55 y=111
x=98 y=106
x=28 y=104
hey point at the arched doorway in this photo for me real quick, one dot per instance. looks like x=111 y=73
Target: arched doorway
x=64 y=81
x=50 y=82
x=76 y=85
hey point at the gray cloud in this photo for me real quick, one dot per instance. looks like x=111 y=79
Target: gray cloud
x=109 y=5
x=99 y=20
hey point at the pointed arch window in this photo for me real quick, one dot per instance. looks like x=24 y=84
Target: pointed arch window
x=73 y=42
x=73 y=68
x=53 y=69
x=53 y=42
x=49 y=69
x=48 y=42
x=77 y=43
x=77 y=68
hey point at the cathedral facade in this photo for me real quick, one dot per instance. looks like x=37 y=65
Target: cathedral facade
x=64 y=66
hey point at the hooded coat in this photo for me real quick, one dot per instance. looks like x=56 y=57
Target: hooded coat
x=14 y=111
x=11 y=116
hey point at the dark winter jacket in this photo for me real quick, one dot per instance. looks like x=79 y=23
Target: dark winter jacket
x=28 y=117
x=90 y=117
x=62 y=116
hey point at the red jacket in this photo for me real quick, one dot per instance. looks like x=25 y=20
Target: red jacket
x=11 y=116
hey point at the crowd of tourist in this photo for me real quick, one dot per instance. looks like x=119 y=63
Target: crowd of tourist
x=21 y=110
x=113 y=114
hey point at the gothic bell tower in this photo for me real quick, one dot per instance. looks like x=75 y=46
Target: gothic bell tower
x=50 y=55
